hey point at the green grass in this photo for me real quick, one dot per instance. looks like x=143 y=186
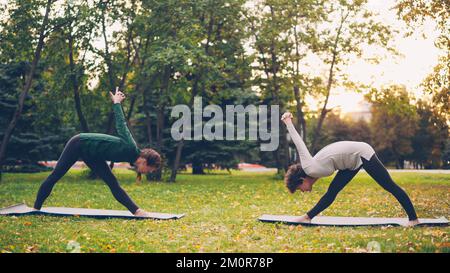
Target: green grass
x=221 y=212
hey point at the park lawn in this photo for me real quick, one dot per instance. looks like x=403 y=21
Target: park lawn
x=221 y=215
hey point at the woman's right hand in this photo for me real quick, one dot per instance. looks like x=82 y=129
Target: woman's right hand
x=412 y=223
x=142 y=213
x=117 y=97
x=303 y=219
x=287 y=118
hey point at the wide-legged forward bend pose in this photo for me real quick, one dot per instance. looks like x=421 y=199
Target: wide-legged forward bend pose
x=345 y=157
x=95 y=149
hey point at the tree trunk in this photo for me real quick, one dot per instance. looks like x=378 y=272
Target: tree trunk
x=301 y=122
x=282 y=154
x=285 y=145
x=111 y=81
x=150 y=176
x=197 y=168
x=173 y=174
x=300 y=115
x=108 y=61
x=401 y=163
x=324 y=111
x=76 y=86
x=180 y=144
x=130 y=110
x=111 y=77
x=29 y=80
x=277 y=160
x=159 y=141
x=160 y=117
x=148 y=120
x=159 y=138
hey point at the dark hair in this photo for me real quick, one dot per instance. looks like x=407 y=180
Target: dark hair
x=294 y=177
x=153 y=158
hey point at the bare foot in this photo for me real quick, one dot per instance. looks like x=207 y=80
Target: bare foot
x=413 y=223
x=303 y=219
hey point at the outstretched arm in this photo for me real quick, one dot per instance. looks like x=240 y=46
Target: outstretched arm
x=121 y=125
x=306 y=160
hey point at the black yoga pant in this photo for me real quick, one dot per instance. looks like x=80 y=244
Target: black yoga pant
x=377 y=171
x=69 y=156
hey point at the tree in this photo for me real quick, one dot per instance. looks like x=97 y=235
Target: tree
x=446 y=155
x=337 y=128
x=393 y=123
x=438 y=85
x=79 y=34
x=27 y=146
x=268 y=28
x=415 y=13
x=351 y=28
x=28 y=83
x=67 y=61
x=430 y=139
x=170 y=48
x=303 y=18
x=218 y=67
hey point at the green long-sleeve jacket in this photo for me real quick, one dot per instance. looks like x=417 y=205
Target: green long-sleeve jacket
x=111 y=148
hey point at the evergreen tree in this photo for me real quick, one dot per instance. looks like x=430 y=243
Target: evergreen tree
x=26 y=147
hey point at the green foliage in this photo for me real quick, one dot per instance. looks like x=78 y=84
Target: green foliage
x=224 y=154
x=338 y=128
x=438 y=85
x=165 y=52
x=393 y=123
x=26 y=147
x=221 y=215
x=423 y=131
x=431 y=137
x=415 y=13
x=20 y=20
x=446 y=155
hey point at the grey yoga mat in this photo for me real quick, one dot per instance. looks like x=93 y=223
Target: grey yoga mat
x=351 y=221
x=22 y=209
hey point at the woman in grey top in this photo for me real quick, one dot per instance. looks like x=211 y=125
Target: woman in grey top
x=346 y=157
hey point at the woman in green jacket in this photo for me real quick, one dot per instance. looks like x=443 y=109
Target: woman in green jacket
x=95 y=150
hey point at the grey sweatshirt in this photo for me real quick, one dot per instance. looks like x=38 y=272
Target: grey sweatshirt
x=341 y=155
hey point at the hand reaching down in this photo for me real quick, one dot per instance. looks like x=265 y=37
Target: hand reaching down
x=303 y=219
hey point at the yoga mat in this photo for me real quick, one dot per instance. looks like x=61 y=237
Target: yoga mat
x=22 y=209
x=351 y=221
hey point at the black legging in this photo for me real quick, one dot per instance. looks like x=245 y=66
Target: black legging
x=69 y=156
x=377 y=171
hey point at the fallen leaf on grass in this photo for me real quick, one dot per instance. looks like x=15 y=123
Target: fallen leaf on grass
x=31 y=249
x=298 y=227
x=442 y=245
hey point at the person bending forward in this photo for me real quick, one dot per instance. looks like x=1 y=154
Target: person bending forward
x=95 y=149
x=346 y=157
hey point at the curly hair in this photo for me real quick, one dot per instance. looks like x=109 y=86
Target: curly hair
x=153 y=158
x=294 y=177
